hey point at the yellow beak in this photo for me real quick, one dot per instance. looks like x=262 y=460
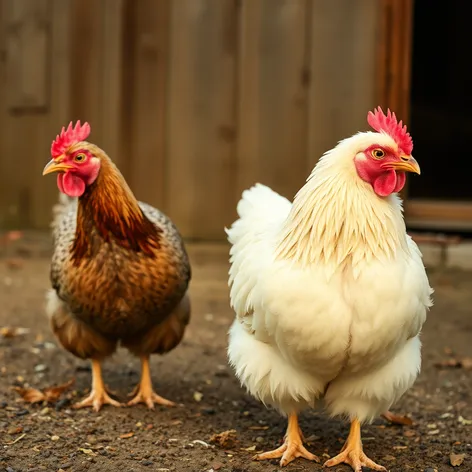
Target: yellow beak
x=54 y=166
x=407 y=164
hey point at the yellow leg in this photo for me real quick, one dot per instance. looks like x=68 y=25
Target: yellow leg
x=99 y=395
x=352 y=452
x=291 y=448
x=144 y=392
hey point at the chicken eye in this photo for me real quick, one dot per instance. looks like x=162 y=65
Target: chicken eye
x=378 y=153
x=80 y=158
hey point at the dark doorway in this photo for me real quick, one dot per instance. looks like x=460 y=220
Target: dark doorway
x=441 y=101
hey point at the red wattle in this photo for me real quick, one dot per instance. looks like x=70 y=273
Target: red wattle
x=385 y=183
x=401 y=179
x=70 y=184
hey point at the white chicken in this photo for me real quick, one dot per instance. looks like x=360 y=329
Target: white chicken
x=330 y=292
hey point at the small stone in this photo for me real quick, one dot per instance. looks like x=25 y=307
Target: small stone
x=62 y=403
x=260 y=439
x=55 y=438
x=41 y=368
x=147 y=463
x=66 y=465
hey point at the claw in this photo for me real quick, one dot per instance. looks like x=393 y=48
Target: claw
x=291 y=448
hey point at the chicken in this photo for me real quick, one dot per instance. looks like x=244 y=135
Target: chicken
x=119 y=271
x=330 y=293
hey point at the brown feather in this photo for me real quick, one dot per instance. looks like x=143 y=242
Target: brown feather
x=119 y=266
x=109 y=206
x=163 y=337
x=78 y=338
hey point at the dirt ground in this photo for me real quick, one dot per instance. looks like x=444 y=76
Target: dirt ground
x=54 y=437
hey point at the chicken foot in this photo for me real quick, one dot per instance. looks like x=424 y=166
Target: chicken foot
x=99 y=395
x=144 y=392
x=291 y=448
x=352 y=452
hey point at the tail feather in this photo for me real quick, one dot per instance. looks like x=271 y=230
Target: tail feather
x=259 y=209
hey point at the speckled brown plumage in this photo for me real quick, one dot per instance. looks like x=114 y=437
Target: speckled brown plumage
x=119 y=270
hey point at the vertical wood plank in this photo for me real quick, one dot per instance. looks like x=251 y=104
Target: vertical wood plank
x=394 y=56
x=86 y=38
x=111 y=92
x=201 y=146
x=27 y=136
x=12 y=182
x=145 y=127
x=43 y=190
x=273 y=86
x=343 y=85
x=26 y=48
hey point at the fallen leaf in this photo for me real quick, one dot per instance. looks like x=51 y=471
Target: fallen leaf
x=15 y=430
x=53 y=394
x=12 y=332
x=225 y=439
x=30 y=395
x=457 y=363
x=49 y=394
x=11 y=236
x=14 y=263
x=456 y=459
x=397 y=419
x=126 y=435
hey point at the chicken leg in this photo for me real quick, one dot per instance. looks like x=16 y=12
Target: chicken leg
x=144 y=392
x=352 y=452
x=292 y=446
x=99 y=395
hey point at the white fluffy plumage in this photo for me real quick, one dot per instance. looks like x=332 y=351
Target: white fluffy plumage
x=330 y=292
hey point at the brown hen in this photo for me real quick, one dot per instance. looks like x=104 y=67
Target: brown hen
x=119 y=271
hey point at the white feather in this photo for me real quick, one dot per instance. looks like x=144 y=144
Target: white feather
x=330 y=293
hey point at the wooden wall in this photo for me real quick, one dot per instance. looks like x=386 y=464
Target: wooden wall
x=194 y=99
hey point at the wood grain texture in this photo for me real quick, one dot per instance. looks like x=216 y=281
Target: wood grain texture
x=343 y=74
x=273 y=91
x=202 y=110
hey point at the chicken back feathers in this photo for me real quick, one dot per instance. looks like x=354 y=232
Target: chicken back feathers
x=330 y=293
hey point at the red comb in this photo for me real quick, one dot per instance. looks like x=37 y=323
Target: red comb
x=68 y=137
x=389 y=125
